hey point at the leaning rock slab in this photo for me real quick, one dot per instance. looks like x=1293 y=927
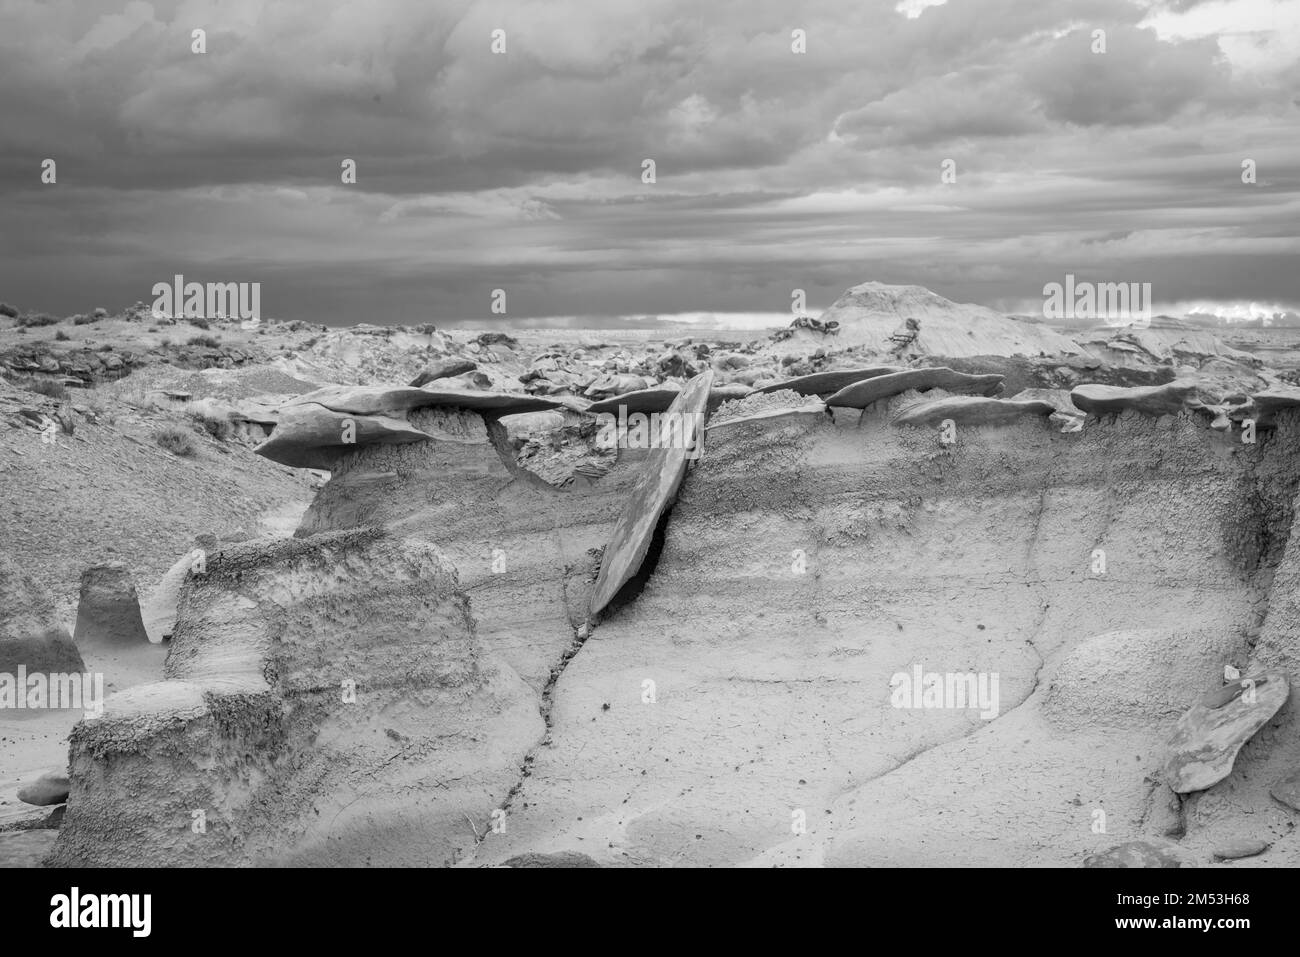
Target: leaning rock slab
x=159 y=612
x=828 y=383
x=1137 y=854
x=1166 y=399
x=30 y=633
x=395 y=400
x=864 y=393
x=653 y=493
x=971 y=410
x=1209 y=735
x=661 y=397
x=108 y=615
x=50 y=788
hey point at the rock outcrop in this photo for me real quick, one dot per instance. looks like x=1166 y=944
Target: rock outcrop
x=971 y=410
x=30 y=634
x=327 y=702
x=108 y=614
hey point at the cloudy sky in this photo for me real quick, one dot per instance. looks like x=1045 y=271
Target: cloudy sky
x=775 y=170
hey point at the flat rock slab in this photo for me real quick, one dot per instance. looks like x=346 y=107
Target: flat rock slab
x=1167 y=399
x=393 y=400
x=1288 y=791
x=828 y=383
x=767 y=415
x=859 y=395
x=1236 y=850
x=1271 y=401
x=26 y=848
x=653 y=493
x=108 y=613
x=971 y=410
x=311 y=436
x=1137 y=854
x=1209 y=735
x=660 y=398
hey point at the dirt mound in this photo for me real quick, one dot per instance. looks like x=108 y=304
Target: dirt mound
x=30 y=634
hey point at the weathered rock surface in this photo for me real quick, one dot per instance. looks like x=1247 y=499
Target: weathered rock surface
x=1167 y=399
x=661 y=397
x=108 y=614
x=1211 y=732
x=326 y=702
x=159 y=612
x=862 y=394
x=559 y=859
x=1288 y=791
x=654 y=493
x=50 y=788
x=1272 y=401
x=30 y=633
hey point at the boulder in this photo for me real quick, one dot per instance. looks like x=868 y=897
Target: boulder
x=50 y=788
x=828 y=383
x=1209 y=735
x=861 y=394
x=1242 y=847
x=654 y=491
x=1167 y=399
x=1288 y=791
x=971 y=410
x=108 y=614
x=30 y=633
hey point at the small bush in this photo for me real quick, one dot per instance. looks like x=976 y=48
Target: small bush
x=8 y=310
x=85 y=320
x=223 y=430
x=208 y=342
x=176 y=441
x=106 y=347
x=198 y=321
x=100 y=313
x=62 y=336
x=37 y=319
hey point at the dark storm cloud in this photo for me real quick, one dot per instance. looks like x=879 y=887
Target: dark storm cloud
x=522 y=171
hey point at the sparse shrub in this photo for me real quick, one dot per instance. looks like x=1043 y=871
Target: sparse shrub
x=37 y=319
x=62 y=336
x=223 y=430
x=85 y=320
x=100 y=313
x=8 y=310
x=106 y=347
x=208 y=342
x=49 y=387
x=176 y=441
x=198 y=321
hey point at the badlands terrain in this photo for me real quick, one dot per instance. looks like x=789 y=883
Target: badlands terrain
x=392 y=596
